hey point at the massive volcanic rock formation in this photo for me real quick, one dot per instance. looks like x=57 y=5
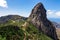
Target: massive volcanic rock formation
x=39 y=19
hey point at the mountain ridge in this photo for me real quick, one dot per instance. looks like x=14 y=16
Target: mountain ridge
x=35 y=27
x=39 y=18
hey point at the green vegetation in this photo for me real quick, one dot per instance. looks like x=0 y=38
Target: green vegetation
x=13 y=30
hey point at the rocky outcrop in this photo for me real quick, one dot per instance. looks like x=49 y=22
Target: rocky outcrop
x=39 y=18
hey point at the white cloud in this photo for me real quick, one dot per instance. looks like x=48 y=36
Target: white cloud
x=3 y=3
x=53 y=14
x=14 y=13
x=49 y=12
x=4 y=14
x=57 y=13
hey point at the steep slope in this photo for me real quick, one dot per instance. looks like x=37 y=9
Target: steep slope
x=39 y=19
x=58 y=32
x=57 y=26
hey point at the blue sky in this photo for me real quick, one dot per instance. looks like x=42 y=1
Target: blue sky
x=24 y=7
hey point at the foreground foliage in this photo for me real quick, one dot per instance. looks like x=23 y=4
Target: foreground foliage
x=13 y=30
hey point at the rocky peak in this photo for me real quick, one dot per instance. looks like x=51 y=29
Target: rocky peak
x=39 y=19
x=39 y=11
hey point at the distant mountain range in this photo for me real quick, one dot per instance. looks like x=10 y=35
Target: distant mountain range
x=57 y=25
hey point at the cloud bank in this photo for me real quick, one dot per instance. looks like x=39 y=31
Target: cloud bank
x=53 y=14
x=3 y=3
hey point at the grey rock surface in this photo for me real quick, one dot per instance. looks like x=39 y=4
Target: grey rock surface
x=39 y=18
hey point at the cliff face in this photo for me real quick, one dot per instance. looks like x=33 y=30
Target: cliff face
x=39 y=19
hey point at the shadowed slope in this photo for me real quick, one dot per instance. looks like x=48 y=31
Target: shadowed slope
x=39 y=19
